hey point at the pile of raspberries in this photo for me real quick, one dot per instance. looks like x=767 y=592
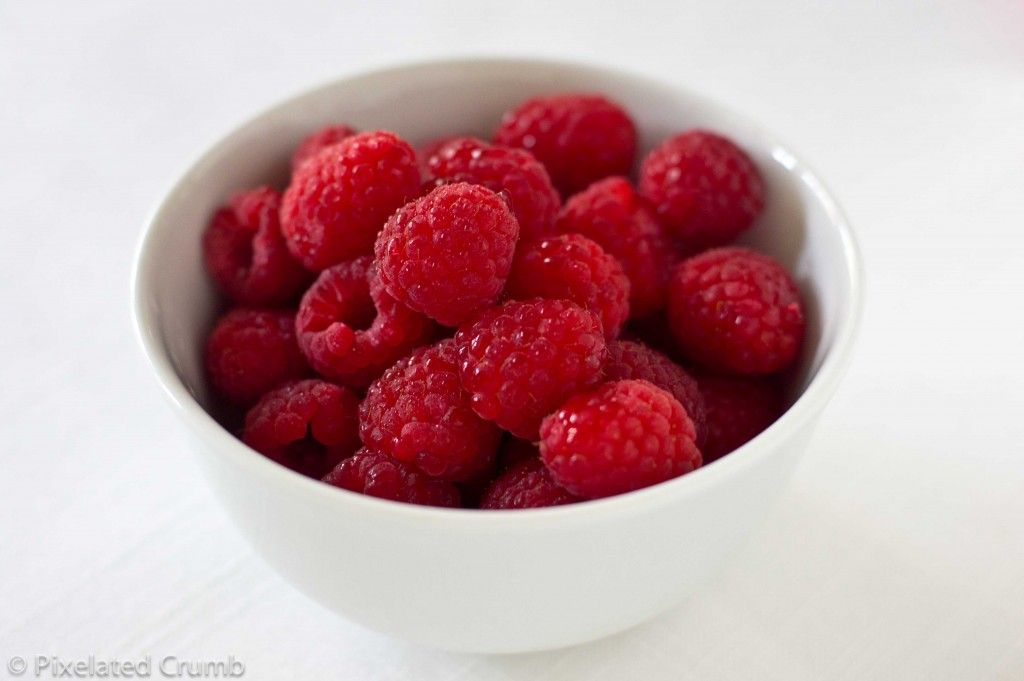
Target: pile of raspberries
x=504 y=324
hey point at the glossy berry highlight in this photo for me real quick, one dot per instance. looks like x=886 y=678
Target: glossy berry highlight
x=378 y=475
x=736 y=311
x=418 y=413
x=520 y=360
x=351 y=329
x=572 y=267
x=448 y=253
x=308 y=426
x=247 y=256
x=618 y=437
x=339 y=198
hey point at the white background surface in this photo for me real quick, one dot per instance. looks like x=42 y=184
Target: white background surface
x=898 y=551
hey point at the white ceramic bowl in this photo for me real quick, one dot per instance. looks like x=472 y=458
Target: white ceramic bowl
x=497 y=581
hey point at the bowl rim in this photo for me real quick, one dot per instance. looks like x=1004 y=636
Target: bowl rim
x=222 y=443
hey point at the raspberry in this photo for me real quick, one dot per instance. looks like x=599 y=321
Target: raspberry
x=627 y=359
x=308 y=426
x=580 y=138
x=521 y=360
x=611 y=213
x=737 y=408
x=512 y=172
x=617 y=438
x=572 y=267
x=251 y=351
x=528 y=484
x=339 y=198
x=418 y=413
x=378 y=475
x=351 y=330
x=703 y=187
x=426 y=151
x=246 y=254
x=448 y=253
x=735 y=310
x=312 y=144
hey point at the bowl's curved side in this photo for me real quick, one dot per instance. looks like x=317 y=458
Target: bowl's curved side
x=505 y=590
x=517 y=580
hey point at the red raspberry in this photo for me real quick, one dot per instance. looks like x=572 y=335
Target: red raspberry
x=308 y=426
x=246 y=254
x=314 y=143
x=618 y=437
x=418 y=413
x=627 y=359
x=351 y=329
x=251 y=351
x=611 y=213
x=426 y=151
x=735 y=310
x=448 y=253
x=738 y=408
x=528 y=484
x=512 y=172
x=703 y=187
x=572 y=267
x=338 y=199
x=580 y=138
x=378 y=475
x=523 y=359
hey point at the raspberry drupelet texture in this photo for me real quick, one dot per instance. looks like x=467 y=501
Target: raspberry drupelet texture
x=629 y=359
x=448 y=254
x=528 y=484
x=521 y=360
x=580 y=138
x=428 y=149
x=339 y=199
x=379 y=475
x=246 y=254
x=572 y=267
x=611 y=213
x=515 y=173
x=738 y=408
x=308 y=426
x=351 y=329
x=704 y=188
x=313 y=143
x=736 y=311
x=617 y=438
x=250 y=351
x=418 y=413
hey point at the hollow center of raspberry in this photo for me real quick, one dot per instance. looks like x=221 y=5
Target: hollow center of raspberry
x=360 y=317
x=352 y=313
x=242 y=255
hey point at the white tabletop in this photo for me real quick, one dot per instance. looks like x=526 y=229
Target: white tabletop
x=898 y=551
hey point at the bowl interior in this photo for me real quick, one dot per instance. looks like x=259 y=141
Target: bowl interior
x=176 y=302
